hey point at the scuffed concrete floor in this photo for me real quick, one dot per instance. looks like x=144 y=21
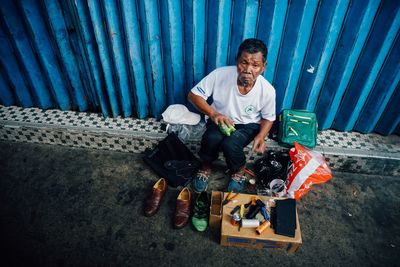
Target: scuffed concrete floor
x=78 y=207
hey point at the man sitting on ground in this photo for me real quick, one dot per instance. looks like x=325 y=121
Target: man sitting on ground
x=242 y=98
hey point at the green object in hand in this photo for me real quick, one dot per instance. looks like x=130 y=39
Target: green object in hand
x=225 y=129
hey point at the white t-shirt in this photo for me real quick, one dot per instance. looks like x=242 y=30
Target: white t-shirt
x=221 y=84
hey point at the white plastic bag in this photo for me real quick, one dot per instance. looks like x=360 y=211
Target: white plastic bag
x=186 y=132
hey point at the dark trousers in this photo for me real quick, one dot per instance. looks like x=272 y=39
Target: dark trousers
x=232 y=146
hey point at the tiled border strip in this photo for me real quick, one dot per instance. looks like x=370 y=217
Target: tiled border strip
x=35 y=117
x=73 y=138
x=132 y=135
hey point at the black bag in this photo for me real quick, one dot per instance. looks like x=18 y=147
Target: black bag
x=172 y=160
x=274 y=165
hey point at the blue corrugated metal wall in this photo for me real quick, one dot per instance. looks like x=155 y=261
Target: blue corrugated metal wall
x=339 y=58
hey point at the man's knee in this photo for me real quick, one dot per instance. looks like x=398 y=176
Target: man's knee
x=212 y=139
x=231 y=146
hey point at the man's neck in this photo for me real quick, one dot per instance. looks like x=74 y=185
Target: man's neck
x=244 y=88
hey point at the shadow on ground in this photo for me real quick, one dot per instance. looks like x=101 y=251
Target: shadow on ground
x=66 y=206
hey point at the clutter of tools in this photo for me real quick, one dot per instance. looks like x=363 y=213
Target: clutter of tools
x=262 y=215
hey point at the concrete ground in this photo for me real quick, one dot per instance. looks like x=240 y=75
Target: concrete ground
x=64 y=206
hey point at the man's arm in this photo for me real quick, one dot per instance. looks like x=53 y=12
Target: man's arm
x=206 y=109
x=259 y=141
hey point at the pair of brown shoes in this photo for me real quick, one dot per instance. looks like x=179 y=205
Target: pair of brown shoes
x=182 y=211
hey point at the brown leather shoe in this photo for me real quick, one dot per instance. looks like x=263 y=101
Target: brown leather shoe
x=154 y=201
x=182 y=212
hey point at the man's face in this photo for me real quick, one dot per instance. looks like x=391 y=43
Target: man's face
x=249 y=66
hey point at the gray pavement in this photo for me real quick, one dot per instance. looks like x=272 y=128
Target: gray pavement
x=63 y=206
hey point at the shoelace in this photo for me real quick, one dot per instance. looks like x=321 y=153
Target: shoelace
x=202 y=175
x=238 y=178
x=200 y=210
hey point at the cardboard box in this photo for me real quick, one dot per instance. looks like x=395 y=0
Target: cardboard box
x=215 y=211
x=247 y=237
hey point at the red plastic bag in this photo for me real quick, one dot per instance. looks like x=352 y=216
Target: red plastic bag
x=309 y=167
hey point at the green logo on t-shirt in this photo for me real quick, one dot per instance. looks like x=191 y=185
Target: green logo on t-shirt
x=249 y=109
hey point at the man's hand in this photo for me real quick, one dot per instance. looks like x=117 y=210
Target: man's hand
x=259 y=145
x=218 y=118
x=259 y=141
x=202 y=105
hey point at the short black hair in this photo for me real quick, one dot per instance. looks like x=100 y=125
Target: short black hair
x=252 y=46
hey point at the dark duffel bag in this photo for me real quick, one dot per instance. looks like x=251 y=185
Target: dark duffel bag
x=172 y=160
x=273 y=165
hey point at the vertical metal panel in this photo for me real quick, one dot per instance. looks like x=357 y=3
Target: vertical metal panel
x=223 y=30
x=218 y=33
x=212 y=20
x=300 y=50
x=250 y=19
x=337 y=58
x=167 y=57
x=149 y=19
x=278 y=23
x=6 y=96
x=13 y=72
x=97 y=22
x=113 y=35
x=369 y=65
x=382 y=92
x=237 y=27
x=322 y=44
x=188 y=29
x=81 y=17
x=379 y=99
x=328 y=50
x=26 y=56
x=57 y=24
x=287 y=50
x=199 y=39
x=264 y=23
x=351 y=60
x=136 y=64
x=118 y=55
x=80 y=56
x=390 y=119
x=176 y=39
x=171 y=25
x=243 y=26
x=41 y=39
x=78 y=51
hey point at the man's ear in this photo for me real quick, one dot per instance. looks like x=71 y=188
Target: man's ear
x=265 y=65
x=237 y=57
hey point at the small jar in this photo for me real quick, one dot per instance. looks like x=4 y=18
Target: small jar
x=251 y=185
x=235 y=219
